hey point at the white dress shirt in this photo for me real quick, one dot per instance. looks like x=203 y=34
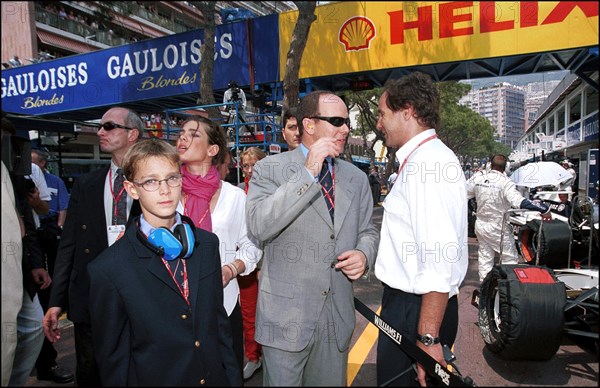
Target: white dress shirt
x=108 y=196
x=423 y=246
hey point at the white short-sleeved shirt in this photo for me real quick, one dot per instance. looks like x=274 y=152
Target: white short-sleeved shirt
x=423 y=246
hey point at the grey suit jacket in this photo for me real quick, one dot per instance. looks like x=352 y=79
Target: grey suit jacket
x=287 y=212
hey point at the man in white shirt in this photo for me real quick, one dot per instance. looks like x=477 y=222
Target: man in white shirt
x=423 y=251
x=27 y=331
x=12 y=258
x=235 y=93
x=569 y=183
x=37 y=176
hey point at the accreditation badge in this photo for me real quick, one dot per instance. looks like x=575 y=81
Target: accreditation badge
x=114 y=233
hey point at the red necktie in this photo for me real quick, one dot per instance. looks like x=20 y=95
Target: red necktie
x=119 y=200
x=326 y=182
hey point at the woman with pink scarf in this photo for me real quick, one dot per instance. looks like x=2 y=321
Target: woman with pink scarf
x=219 y=207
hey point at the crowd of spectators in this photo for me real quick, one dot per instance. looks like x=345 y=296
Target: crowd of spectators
x=87 y=23
x=151 y=119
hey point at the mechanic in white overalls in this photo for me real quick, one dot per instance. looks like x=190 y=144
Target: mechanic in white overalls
x=495 y=193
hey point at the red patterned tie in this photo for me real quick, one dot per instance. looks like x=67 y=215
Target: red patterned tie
x=327 y=187
x=119 y=200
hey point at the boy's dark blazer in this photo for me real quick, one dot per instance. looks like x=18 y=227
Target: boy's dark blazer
x=143 y=331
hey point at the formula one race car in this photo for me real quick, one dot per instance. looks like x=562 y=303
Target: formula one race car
x=526 y=309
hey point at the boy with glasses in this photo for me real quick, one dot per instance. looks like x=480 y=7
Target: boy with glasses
x=158 y=290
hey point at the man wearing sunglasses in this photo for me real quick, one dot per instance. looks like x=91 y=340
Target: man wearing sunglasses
x=313 y=213
x=94 y=220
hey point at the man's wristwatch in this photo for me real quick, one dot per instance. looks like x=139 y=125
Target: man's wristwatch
x=428 y=339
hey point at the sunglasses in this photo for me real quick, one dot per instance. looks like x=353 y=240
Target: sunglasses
x=336 y=121
x=109 y=126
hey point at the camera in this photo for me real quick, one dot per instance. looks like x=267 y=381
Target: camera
x=235 y=94
x=235 y=90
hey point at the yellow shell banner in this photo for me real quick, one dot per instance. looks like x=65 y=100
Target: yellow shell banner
x=351 y=37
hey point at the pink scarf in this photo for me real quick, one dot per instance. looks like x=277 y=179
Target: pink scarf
x=199 y=191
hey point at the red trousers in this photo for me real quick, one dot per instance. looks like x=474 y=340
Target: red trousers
x=248 y=297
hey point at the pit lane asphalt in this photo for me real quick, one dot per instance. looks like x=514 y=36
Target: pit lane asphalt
x=570 y=366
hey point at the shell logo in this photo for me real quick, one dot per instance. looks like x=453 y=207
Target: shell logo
x=356 y=33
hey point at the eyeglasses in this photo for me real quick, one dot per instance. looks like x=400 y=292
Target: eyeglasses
x=109 y=126
x=336 y=121
x=154 y=184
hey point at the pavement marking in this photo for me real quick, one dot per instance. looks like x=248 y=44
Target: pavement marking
x=361 y=349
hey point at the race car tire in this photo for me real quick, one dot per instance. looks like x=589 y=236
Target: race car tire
x=554 y=244
x=521 y=312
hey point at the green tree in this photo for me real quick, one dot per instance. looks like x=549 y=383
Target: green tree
x=467 y=133
x=464 y=131
x=366 y=102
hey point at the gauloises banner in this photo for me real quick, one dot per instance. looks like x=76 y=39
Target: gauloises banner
x=150 y=69
x=360 y=36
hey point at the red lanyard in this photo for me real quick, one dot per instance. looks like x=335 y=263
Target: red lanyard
x=411 y=152
x=332 y=187
x=115 y=200
x=185 y=211
x=186 y=288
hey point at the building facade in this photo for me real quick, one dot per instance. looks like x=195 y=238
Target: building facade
x=536 y=94
x=567 y=120
x=504 y=107
x=566 y=128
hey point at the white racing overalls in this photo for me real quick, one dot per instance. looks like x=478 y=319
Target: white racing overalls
x=495 y=193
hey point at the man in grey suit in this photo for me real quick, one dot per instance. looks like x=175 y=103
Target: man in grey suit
x=316 y=242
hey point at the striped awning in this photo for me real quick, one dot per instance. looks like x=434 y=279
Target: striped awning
x=74 y=46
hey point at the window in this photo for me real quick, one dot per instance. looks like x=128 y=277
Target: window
x=591 y=101
x=560 y=118
x=575 y=109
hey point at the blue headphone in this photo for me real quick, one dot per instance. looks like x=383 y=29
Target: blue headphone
x=171 y=245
